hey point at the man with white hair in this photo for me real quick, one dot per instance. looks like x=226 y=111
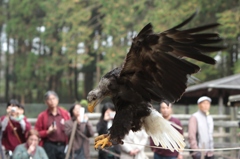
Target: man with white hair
x=200 y=129
x=50 y=125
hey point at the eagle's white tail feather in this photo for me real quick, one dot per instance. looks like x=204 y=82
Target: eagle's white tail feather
x=162 y=132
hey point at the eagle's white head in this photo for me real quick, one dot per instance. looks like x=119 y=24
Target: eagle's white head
x=96 y=96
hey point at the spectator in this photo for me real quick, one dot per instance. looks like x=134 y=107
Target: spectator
x=21 y=111
x=130 y=151
x=2 y=155
x=105 y=122
x=14 y=129
x=30 y=149
x=159 y=153
x=80 y=147
x=50 y=124
x=200 y=129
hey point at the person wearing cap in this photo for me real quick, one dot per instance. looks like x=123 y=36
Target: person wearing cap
x=14 y=129
x=2 y=153
x=50 y=125
x=200 y=129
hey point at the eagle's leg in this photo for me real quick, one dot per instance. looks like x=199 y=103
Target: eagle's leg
x=102 y=141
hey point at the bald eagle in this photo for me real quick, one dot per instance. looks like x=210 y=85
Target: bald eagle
x=154 y=70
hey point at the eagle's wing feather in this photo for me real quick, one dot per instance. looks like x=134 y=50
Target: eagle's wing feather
x=154 y=65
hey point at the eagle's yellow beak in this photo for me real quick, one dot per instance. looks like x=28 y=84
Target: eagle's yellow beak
x=91 y=106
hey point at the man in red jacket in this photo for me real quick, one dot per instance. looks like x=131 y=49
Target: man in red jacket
x=50 y=124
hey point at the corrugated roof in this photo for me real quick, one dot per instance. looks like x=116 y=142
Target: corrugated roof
x=223 y=87
x=229 y=82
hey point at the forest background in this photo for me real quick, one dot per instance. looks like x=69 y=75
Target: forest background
x=67 y=45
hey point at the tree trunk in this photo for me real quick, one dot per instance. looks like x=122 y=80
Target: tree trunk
x=76 y=84
x=88 y=83
x=7 y=72
x=7 y=61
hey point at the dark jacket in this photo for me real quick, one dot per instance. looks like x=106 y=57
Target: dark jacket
x=102 y=129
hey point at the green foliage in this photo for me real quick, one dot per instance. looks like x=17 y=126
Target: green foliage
x=230 y=20
x=237 y=67
x=24 y=69
x=22 y=20
x=66 y=46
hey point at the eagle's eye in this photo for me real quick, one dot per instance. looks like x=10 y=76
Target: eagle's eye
x=94 y=98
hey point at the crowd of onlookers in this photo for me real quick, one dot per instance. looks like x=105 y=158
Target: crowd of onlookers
x=52 y=136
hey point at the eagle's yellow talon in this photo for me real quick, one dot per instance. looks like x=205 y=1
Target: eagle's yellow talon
x=102 y=141
x=100 y=137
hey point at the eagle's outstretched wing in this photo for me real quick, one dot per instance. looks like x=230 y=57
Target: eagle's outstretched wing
x=154 y=66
